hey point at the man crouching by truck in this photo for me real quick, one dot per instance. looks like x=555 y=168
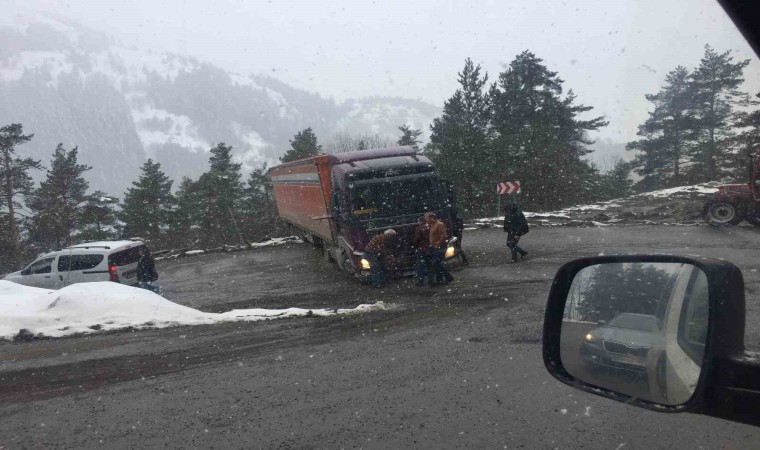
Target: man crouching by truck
x=378 y=253
x=439 y=274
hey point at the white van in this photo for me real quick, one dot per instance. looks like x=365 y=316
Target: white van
x=82 y=263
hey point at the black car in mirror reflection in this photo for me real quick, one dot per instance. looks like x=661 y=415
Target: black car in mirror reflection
x=623 y=343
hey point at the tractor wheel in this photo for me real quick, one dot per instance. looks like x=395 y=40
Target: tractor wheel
x=722 y=214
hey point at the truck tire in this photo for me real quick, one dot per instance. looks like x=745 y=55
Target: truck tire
x=722 y=213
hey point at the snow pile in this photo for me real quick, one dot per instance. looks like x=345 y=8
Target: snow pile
x=91 y=307
x=681 y=191
x=278 y=241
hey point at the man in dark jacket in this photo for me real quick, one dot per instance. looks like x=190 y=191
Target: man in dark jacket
x=421 y=245
x=146 y=271
x=516 y=226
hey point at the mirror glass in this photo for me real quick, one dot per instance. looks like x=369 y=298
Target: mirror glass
x=639 y=329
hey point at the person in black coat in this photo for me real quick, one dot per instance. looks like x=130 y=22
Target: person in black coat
x=146 y=271
x=516 y=225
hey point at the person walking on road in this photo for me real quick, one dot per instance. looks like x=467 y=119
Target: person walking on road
x=146 y=271
x=516 y=225
x=457 y=231
x=438 y=272
x=421 y=245
x=377 y=253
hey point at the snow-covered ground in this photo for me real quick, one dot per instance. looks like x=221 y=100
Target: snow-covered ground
x=678 y=205
x=92 y=307
x=172 y=254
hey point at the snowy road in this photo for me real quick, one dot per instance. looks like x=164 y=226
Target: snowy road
x=454 y=367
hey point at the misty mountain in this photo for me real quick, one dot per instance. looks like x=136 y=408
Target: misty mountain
x=120 y=105
x=607 y=152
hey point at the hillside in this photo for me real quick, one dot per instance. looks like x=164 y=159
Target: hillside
x=120 y=105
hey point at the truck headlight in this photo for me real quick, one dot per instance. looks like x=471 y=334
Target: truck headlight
x=450 y=252
x=365 y=264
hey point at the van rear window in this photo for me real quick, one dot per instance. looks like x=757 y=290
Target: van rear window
x=124 y=257
x=78 y=262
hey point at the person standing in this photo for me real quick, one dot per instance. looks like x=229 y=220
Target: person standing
x=421 y=245
x=457 y=230
x=438 y=272
x=146 y=271
x=516 y=225
x=377 y=253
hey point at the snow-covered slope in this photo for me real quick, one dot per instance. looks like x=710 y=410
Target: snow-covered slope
x=68 y=83
x=680 y=205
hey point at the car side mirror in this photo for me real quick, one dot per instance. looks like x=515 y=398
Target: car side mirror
x=26 y=271
x=660 y=332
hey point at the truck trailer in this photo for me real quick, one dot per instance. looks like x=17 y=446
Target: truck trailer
x=339 y=202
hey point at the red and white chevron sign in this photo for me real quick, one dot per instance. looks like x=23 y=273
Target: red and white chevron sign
x=508 y=187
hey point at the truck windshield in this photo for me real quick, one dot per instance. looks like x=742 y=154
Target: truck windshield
x=390 y=197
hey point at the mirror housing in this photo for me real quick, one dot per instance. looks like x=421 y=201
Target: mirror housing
x=729 y=383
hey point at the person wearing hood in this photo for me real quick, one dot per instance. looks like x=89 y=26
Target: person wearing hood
x=515 y=225
x=379 y=255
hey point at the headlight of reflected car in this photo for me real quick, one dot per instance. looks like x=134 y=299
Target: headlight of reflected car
x=450 y=252
x=591 y=338
x=365 y=264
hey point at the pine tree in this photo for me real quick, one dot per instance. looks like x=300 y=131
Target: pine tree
x=187 y=216
x=409 y=136
x=666 y=134
x=15 y=185
x=747 y=140
x=303 y=145
x=460 y=140
x=540 y=138
x=258 y=211
x=57 y=204
x=715 y=83
x=616 y=182
x=147 y=204
x=98 y=218
x=222 y=191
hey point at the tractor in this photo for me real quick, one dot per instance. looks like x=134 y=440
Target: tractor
x=735 y=202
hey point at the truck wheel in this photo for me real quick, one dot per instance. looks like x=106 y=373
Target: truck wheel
x=722 y=214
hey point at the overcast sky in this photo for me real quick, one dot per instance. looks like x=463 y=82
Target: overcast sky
x=610 y=52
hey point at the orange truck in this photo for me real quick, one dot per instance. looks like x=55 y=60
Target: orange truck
x=338 y=202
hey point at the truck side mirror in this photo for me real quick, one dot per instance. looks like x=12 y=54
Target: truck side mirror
x=660 y=332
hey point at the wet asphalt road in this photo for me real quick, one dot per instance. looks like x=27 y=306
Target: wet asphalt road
x=454 y=367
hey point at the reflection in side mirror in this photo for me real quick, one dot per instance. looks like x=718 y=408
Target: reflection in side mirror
x=637 y=328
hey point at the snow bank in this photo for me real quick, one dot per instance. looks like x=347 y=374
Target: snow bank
x=707 y=188
x=91 y=307
x=278 y=241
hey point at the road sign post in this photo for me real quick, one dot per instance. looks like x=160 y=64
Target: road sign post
x=506 y=188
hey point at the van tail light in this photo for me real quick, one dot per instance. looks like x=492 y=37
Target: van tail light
x=113 y=273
